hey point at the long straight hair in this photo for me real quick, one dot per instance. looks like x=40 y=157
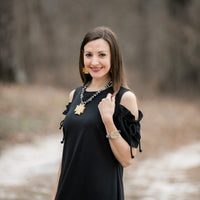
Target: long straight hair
x=117 y=69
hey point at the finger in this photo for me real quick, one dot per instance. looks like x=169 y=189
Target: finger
x=109 y=96
x=113 y=99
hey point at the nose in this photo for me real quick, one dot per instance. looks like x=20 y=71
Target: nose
x=95 y=61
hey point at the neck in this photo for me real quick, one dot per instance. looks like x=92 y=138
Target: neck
x=97 y=84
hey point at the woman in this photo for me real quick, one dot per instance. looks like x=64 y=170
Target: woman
x=101 y=130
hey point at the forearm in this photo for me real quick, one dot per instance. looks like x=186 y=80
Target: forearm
x=58 y=177
x=119 y=146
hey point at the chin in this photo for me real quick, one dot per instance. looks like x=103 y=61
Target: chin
x=97 y=76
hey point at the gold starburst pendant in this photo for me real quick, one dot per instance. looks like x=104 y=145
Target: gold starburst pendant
x=79 y=109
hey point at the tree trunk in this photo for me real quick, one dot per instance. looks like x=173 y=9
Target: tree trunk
x=9 y=71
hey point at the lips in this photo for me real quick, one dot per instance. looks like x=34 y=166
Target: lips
x=96 y=69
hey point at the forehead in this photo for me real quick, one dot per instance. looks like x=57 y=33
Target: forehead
x=97 y=45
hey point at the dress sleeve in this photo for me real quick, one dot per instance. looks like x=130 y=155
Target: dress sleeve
x=67 y=108
x=62 y=122
x=130 y=127
x=76 y=92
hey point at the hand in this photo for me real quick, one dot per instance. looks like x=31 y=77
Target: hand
x=107 y=108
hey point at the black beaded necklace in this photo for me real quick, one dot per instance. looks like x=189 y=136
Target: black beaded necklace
x=81 y=107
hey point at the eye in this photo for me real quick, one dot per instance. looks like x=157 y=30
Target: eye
x=88 y=55
x=102 y=55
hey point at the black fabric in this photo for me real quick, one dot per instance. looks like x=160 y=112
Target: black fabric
x=89 y=169
x=125 y=121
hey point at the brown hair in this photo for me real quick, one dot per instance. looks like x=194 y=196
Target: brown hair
x=117 y=68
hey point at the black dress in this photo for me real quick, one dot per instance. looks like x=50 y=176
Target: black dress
x=89 y=169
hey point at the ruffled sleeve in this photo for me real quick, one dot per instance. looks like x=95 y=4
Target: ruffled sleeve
x=130 y=127
x=62 y=122
x=67 y=108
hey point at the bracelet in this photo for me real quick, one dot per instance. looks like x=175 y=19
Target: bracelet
x=113 y=134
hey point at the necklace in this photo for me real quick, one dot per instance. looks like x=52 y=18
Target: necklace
x=81 y=107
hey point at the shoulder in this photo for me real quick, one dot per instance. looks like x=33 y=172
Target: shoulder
x=71 y=94
x=129 y=101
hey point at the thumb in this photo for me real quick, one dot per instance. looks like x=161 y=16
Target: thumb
x=113 y=99
x=109 y=96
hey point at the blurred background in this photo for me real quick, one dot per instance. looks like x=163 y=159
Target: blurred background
x=39 y=50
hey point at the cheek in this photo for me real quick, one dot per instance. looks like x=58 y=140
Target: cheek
x=86 y=61
x=108 y=63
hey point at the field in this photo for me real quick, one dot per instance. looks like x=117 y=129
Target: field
x=170 y=125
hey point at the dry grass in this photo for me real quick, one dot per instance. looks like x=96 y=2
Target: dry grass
x=169 y=123
x=26 y=111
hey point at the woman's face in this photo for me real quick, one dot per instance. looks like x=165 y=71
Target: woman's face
x=97 y=58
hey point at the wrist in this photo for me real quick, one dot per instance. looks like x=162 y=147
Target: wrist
x=108 y=121
x=113 y=134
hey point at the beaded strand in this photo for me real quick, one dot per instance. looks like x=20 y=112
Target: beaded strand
x=93 y=96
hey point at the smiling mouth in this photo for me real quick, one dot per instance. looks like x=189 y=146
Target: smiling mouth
x=96 y=69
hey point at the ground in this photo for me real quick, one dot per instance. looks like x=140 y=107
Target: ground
x=31 y=111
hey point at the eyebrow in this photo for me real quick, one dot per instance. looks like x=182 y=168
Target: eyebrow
x=98 y=51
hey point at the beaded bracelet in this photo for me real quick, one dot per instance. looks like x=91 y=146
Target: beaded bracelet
x=113 y=134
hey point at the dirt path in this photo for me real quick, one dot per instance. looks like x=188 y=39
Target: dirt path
x=168 y=168
x=174 y=176
x=28 y=172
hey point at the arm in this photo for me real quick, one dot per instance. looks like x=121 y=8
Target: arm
x=58 y=176
x=119 y=146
